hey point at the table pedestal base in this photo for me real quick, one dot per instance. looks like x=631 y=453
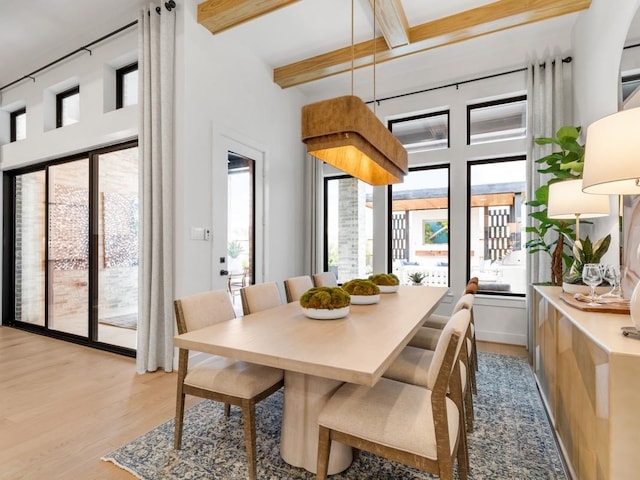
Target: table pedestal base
x=304 y=398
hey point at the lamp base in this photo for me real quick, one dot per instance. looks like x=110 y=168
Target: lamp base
x=631 y=332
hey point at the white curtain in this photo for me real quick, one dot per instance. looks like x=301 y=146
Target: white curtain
x=550 y=107
x=313 y=187
x=156 y=42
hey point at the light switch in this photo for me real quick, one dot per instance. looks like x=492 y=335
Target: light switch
x=197 y=233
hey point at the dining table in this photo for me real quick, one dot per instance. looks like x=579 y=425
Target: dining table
x=318 y=356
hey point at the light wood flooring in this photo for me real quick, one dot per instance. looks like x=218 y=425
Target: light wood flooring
x=63 y=406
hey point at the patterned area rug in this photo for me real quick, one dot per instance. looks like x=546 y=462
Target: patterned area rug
x=512 y=439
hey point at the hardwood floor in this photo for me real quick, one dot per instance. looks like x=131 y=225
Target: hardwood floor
x=63 y=406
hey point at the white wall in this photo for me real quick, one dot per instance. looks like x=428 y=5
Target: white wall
x=598 y=39
x=226 y=92
x=97 y=126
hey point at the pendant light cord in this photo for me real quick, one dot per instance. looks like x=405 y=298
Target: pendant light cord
x=352 y=46
x=374 y=55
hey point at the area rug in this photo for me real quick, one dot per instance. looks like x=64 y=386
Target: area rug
x=129 y=321
x=511 y=440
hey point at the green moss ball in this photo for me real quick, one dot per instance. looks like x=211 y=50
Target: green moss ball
x=326 y=298
x=360 y=286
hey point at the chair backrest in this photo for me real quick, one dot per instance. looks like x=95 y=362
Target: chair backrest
x=325 y=279
x=465 y=302
x=458 y=324
x=472 y=288
x=203 y=309
x=260 y=296
x=294 y=287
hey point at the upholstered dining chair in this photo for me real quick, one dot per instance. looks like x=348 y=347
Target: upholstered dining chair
x=260 y=297
x=417 y=426
x=438 y=321
x=294 y=287
x=218 y=378
x=325 y=279
x=412 y=364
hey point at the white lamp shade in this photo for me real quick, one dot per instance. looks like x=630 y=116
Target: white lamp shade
x=567 y=200
x=612 y=154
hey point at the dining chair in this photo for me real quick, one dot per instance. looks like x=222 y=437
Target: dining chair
x=294 y=287
x=412 y=364
x=260 y=296
x=219 y=378
x=325 y=279
x=416 y=426
x=438 y=321
x=235 y=282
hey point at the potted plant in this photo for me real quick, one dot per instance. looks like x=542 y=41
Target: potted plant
x=583 y=252
x=234 y=249
x=416 y=277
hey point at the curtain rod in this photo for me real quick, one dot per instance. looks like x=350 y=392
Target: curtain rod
x=169 y=5
x=81 y=49
x=462 y=82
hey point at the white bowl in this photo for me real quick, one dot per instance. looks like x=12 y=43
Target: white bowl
x=325 y=313
x=388 y=288
x=364 y=299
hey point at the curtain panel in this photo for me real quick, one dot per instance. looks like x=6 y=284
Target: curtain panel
x=156 y=44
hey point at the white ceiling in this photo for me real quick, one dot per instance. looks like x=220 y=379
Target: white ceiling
x=36 y=32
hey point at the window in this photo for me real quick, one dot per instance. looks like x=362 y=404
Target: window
x=497 y=120
x=421 y=133
x=127 y=86
x=630 y=84
x=348 y=248
x=68 y=107
x=18 y=127
x=74 y=241
x=419 y=226
x=496 y=212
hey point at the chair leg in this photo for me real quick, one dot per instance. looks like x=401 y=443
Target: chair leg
x=472 y=374
x=177 y=435
x=463 y=456
x=249 y=420
x=468 y=408
x=227 y=409
x=324 y=445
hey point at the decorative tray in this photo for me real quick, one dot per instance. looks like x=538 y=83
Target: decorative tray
x=604 y=305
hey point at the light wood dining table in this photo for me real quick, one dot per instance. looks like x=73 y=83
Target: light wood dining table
x=318 y=356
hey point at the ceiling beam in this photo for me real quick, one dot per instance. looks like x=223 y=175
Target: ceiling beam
x=219 y=15
x=392 y=21
x=490 y=18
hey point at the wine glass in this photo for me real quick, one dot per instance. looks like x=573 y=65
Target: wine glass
x=611 y=273
x=591 y=276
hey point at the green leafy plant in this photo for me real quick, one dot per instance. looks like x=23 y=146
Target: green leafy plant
x=585 y=252
x=234 y=248
x=567 y=163
x=417 y=277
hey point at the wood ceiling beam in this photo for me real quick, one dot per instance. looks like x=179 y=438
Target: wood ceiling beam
x=219 y=15
x=392 y=21
x=490 y=18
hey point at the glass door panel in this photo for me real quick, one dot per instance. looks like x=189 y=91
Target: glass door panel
x=240 y=217
x=68 y=256
x=30 y=213
x=117 y=248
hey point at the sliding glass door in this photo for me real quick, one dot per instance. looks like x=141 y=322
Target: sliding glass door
x=75 y=248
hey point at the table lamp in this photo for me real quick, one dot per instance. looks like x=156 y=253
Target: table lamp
x=567 y=201
x=612 y=166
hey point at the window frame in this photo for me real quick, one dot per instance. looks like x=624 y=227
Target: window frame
x=60 y=97
x=121 y=73
x=470 y=164
x=436 y=113
x=438 y=166
x=491 y=103
x=13 y=116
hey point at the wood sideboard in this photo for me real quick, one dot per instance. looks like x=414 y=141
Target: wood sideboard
x=589 y=377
